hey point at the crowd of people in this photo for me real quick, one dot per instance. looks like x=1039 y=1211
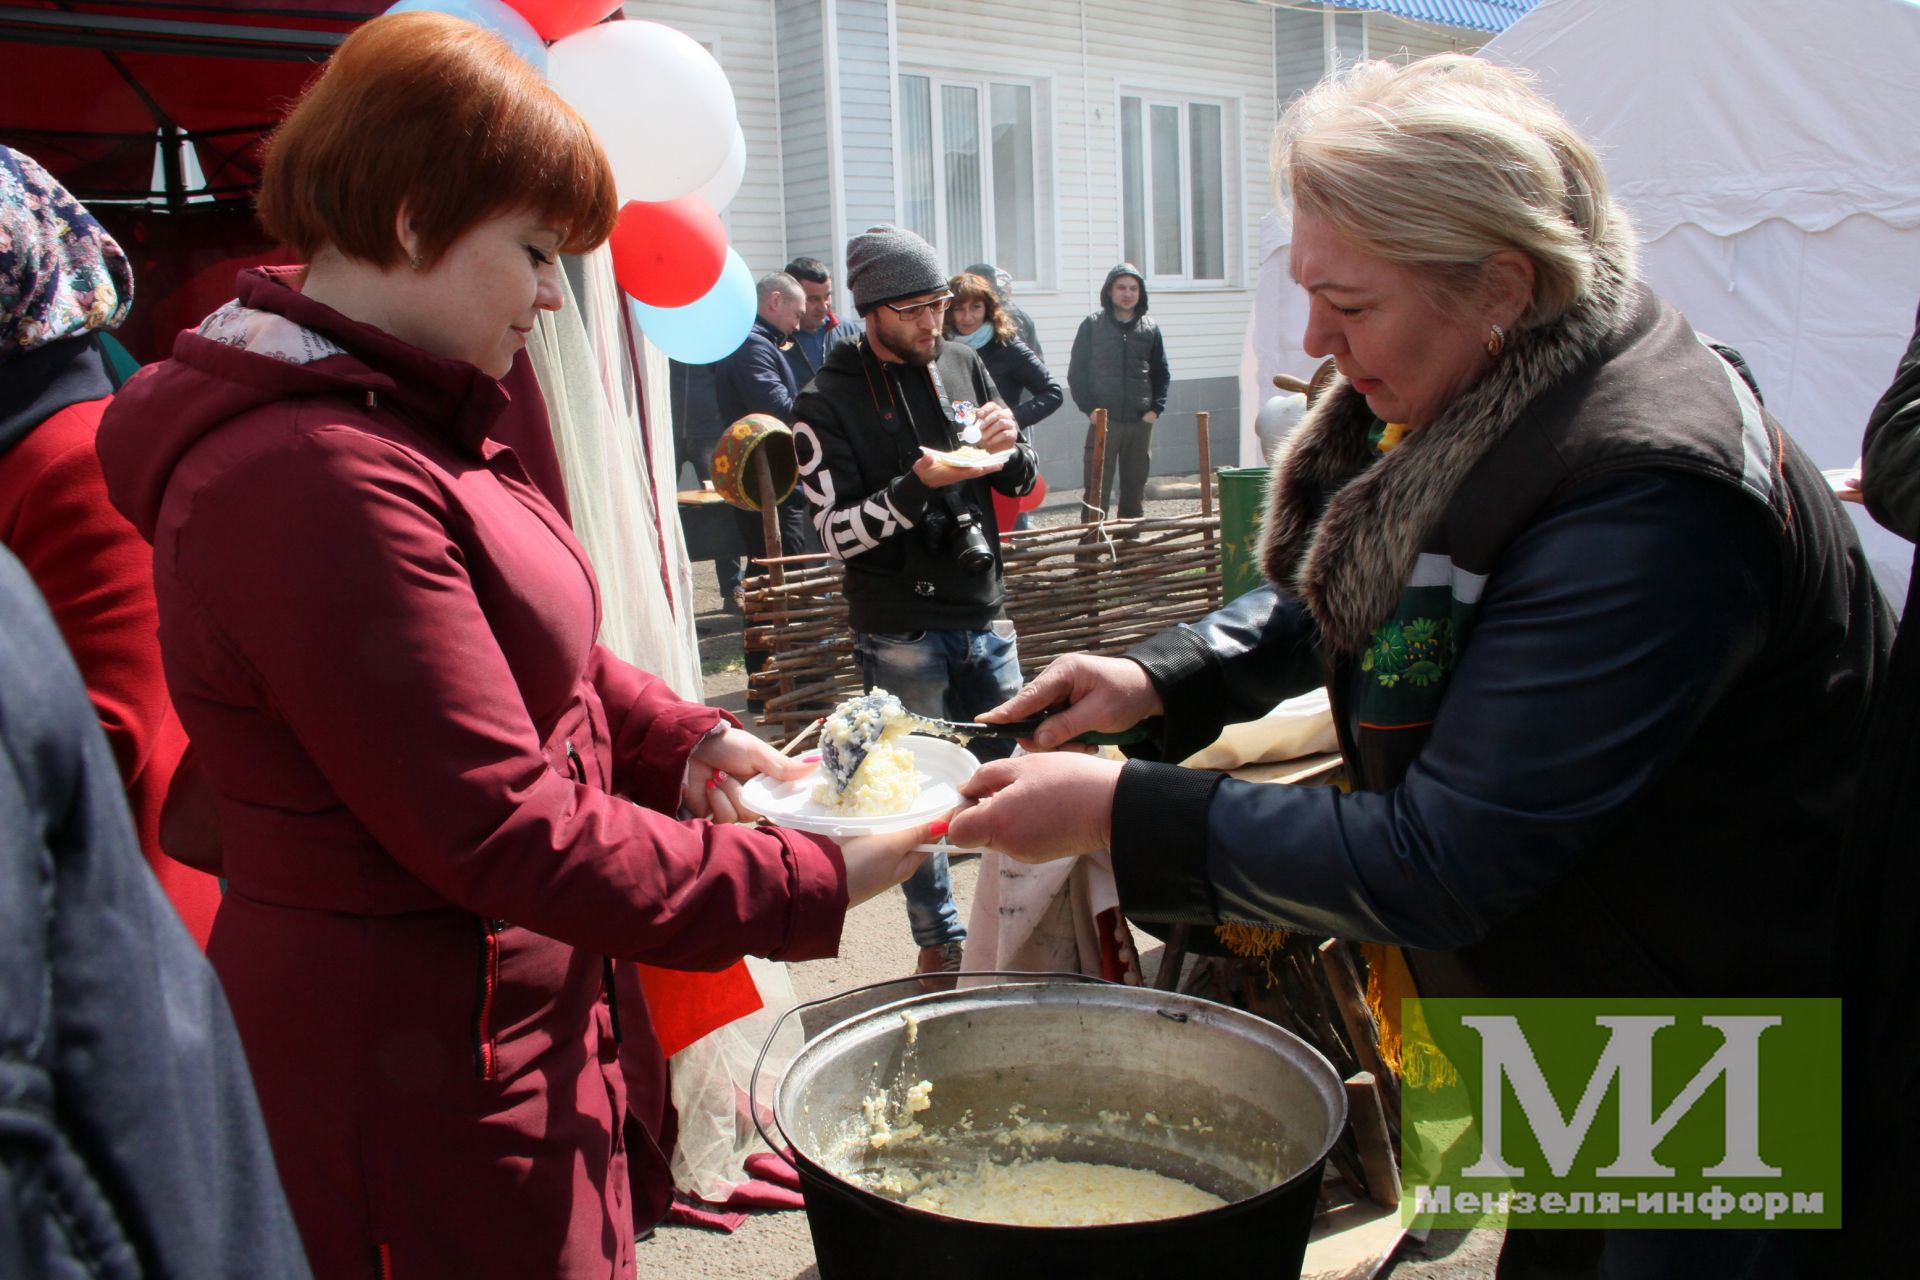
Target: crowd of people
x=1613 y=683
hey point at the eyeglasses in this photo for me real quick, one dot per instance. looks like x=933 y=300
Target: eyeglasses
x=935 y=307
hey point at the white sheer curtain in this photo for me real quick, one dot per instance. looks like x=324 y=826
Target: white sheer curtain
x=612 y=428
x=606 y=392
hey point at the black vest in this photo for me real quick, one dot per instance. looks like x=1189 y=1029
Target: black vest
x=1654 y=397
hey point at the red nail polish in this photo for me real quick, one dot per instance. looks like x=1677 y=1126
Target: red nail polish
x=713 y=781
x=937 y=829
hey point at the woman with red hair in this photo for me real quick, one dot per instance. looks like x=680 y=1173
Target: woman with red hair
x=444 y=808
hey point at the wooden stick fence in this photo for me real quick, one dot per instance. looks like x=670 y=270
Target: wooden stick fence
x=1099 y=587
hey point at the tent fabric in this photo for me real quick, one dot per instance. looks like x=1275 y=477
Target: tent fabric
x=1474 y=15
x=89 y=84
x=618 y=474
x=1766 y=155
x=1723 y=115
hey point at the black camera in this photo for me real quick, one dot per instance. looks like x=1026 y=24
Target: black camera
x=954 y=528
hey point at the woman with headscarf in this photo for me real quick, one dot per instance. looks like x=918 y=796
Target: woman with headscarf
x=445 y=809
x=1599 y=642
x=63 y=284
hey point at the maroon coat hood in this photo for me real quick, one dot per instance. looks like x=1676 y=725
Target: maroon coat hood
x=272 y=343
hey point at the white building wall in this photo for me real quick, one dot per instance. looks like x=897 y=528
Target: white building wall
x=1083 y=56
x=740 y=34
x=866 y=112
x=799 y=30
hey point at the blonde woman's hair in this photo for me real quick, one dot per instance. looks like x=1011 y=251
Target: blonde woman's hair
x=1441 y=163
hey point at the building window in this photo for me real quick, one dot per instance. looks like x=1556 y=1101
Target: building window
x=971 y=181
x=1173 y=168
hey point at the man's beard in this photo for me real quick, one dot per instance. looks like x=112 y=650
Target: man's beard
x=912 y=355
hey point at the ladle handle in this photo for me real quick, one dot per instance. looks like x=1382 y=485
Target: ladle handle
x=753 y=1081
x=1025 y=729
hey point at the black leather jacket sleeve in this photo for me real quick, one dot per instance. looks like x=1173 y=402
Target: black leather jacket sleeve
x=1235 y=664
x=1890 y=454
x=1605 y=637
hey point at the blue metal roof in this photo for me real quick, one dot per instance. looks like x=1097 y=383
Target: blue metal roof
x=1491 y=16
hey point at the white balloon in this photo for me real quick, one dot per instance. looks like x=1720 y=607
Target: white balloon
x=719 y=190
x=660 y=104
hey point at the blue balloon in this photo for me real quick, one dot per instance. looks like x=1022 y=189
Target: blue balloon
x=711 y=327
x=501 y=19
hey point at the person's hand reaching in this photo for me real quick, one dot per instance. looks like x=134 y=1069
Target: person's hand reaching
x=877 y=863
x=718 y=766
x=1038 y=808
x=1099 y=695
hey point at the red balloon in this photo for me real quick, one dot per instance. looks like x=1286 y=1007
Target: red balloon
x=554 y=19
x=668 y=253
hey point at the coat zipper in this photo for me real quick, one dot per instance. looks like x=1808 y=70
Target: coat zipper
x=577 y=769
x=489 y=980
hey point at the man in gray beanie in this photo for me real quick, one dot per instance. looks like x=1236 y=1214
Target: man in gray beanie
x=887 y=263
x=918 y=534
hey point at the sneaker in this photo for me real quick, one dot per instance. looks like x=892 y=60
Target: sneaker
x=939 y=966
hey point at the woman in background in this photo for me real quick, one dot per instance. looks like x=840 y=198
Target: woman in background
x=63 y=284
x=977 y=319
x=444 y=808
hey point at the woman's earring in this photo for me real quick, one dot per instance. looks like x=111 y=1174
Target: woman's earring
x=1496 y=342
x=417 y=263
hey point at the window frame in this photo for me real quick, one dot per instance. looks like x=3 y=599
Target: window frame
x=1231 y=183
x=981 y=83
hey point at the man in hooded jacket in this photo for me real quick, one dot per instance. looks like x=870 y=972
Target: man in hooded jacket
x=1120 y=364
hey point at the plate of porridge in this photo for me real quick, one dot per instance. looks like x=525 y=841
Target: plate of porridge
x=903 y=782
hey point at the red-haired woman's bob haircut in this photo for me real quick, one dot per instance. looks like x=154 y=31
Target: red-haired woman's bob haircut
x=426 y=113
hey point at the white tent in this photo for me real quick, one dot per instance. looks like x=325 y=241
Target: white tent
x=1768 y=153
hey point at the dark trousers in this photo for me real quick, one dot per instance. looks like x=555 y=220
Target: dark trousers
x=1130 y=456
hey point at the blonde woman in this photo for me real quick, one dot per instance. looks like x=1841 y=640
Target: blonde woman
x=1599 y=642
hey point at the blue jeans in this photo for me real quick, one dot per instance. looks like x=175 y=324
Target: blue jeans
x=948 y=675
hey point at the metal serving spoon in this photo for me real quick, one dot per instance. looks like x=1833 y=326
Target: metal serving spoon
x=868 y=717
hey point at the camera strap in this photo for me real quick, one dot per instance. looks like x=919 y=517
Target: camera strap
x=897 y=413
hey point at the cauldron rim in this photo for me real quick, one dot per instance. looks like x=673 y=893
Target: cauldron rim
x=1315 y=1064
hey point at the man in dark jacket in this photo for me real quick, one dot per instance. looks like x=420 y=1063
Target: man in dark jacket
x=820 y=330
x=1120 y=364
x=918 y=535
x=757 y=379
x=133 y=1144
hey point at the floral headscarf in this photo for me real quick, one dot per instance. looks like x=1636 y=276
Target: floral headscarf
x=61 y=274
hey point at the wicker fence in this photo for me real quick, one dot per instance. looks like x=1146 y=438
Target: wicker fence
x=1097 y=588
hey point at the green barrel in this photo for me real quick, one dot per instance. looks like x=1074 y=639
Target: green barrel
x=1243 y=498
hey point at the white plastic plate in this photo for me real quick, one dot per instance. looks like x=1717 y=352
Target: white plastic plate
x=942 y=767
x=992 y=462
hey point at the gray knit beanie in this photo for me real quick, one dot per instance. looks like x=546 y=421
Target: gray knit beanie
x=888 y=262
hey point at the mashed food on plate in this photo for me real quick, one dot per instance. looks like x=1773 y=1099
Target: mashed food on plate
x=888 y=779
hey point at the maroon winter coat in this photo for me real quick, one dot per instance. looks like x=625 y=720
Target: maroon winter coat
x=381 y=639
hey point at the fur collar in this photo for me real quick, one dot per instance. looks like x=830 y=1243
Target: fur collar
x=1343 y=535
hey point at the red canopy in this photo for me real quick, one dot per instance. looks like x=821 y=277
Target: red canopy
x=88 y=86
x=89 y=89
